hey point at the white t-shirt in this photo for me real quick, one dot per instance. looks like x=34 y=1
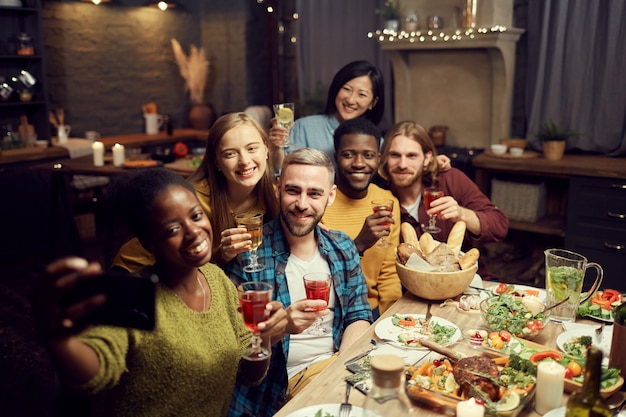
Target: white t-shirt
x=304 y=348
x=412 y=209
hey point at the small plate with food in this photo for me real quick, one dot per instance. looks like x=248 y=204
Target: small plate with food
x=405 y=330
x=519 y=291
x=575 y=342
x=600 y=305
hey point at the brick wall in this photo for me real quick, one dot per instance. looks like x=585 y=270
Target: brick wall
x=104 y=62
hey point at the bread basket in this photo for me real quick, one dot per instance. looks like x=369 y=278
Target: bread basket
x=435 y=285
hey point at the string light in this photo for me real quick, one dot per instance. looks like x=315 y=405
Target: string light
x=388 y=35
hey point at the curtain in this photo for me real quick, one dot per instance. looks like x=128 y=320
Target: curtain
x=332 y=33
x=576 y=74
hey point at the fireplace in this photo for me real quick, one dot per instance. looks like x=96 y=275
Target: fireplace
x=460 y=78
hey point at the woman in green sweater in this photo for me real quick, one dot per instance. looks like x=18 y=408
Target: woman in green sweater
x=187 y=365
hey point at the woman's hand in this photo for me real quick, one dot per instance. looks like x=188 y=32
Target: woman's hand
x=277 y=134
x=444 y=162
x=274 y=328
x=234 y=241
x=55 y=321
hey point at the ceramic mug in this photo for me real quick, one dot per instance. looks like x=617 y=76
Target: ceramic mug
x=63 y=132
x=565 y=274
x=153 y=123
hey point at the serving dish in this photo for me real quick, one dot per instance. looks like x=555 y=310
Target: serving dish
x=604 y=343
x=524 y=317
x=526 y=348
x=386 y=329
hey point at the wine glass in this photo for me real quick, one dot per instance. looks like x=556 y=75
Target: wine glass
x=253 y=297
x=380 y=205
x=284 y=113
x=317 y=287
x=430 y=195
x=254 y=225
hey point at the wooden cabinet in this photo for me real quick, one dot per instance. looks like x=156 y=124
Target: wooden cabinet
x=14 y=21
x=596 y=225
x=586 y=204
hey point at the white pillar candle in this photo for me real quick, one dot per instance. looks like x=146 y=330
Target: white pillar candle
x=470 y=408
x=98 y=153
x=550 y=382
x=118 y=155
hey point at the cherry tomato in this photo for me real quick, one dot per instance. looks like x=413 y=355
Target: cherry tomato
x=493 y=334
x=496 y=342
x=568 y=373
x=436 y=362
x=575 y=368
x=505 y=335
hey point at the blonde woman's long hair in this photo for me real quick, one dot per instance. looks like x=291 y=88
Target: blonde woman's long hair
x=417 y=133
x=221 y=216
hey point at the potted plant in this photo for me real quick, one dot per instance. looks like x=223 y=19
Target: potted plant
x=553 y=137
x=391 y=14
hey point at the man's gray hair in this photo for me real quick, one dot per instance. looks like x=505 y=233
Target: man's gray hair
x=313 y=157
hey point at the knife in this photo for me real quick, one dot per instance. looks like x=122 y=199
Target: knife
x=359 y=356
x=434 y=346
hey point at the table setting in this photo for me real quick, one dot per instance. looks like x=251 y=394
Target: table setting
x=513 y=330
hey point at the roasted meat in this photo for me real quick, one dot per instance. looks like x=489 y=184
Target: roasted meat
x=465 y=374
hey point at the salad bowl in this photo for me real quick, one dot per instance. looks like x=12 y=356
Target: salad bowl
x=523 y=317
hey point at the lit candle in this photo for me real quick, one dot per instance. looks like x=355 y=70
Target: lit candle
x=98 y=153
x=470 y=408
x=550 y=382
x=118 y=155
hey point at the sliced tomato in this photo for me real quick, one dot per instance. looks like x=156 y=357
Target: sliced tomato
x=504 y=289
x=611 y=295
x=505 y=335
x=535 y=358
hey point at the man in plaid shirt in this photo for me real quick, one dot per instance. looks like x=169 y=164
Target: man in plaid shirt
x=294 y=244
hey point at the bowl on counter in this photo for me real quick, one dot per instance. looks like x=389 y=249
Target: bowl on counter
x=524 y=317
x=516 y=152
x=435 y=285
x=498 y=148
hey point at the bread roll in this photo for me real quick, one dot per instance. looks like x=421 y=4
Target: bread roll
x=456 y=236
x=409 y=235
x=427 y=243
x=405 y=250
x=469 y=259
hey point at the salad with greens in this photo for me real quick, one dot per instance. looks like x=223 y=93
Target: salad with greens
x=513 y=314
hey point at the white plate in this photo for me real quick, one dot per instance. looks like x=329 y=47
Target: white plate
x=605 y=340
x=332 y=409
x=557 y=412
x=522 y=288
x=386 y=329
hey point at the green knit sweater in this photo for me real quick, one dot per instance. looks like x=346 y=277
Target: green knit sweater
x=185 y=367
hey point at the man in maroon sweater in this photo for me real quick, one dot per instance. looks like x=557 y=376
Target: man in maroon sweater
x=409 y=164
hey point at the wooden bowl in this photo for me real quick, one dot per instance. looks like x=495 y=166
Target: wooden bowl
x=435 y=285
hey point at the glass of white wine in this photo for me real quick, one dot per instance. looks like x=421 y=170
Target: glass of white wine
x=253 y=222
x=284 y=113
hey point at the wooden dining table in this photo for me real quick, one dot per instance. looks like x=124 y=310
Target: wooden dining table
x=329 y=387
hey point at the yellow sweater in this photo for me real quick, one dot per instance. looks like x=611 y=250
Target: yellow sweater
x=378 y=264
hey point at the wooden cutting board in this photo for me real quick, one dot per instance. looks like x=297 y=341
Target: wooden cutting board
x=25 y=129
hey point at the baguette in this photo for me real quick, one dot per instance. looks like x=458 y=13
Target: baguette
x=427 y=243
x=456 y=236
x=469 y=259
x=409 y=235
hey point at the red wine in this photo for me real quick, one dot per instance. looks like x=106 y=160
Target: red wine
x=430 y=196
x=381 y=208
x=317 y=290
x=253 y=308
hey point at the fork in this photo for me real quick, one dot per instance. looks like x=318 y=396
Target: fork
x=346 y=408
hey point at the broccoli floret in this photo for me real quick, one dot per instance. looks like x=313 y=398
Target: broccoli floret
x=586 y=340
x=524 y=365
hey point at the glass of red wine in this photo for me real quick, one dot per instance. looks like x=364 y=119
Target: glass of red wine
x=317 y=286
x=383 y=205
x=253 y=297
x=430 y=195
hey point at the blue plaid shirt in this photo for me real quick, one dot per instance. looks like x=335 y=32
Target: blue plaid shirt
x=352 y=305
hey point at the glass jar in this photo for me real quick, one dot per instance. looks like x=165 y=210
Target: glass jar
x=411 y=21
x=387 y=396
x=25 y=44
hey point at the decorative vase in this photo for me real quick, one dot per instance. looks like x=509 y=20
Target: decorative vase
x=201 y=116
x=553 y=150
